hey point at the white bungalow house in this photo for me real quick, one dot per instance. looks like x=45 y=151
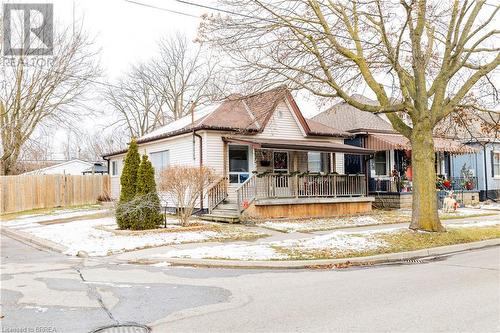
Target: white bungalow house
x=271 y=161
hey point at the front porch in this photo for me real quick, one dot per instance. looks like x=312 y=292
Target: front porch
x=294 y=179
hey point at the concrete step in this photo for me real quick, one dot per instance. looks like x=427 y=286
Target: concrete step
x=220 y=218
x=222 y=211
x=231 y=206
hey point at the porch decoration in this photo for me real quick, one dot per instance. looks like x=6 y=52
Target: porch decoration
x=263 y=157
x=467 y=178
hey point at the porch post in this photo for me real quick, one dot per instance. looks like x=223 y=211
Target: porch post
x=296 y=177
x=225 y=154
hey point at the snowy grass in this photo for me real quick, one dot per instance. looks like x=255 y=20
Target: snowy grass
x=90 y=236
x=343 y=244
x=375 y=218
x=321 y=224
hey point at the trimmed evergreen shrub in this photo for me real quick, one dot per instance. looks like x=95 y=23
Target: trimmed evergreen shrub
x=147 y=213
x=128 y=181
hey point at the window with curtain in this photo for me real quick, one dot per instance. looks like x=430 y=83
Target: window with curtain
x=160 y=160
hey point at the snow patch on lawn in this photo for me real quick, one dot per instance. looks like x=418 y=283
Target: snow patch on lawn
x=335 y=242
x=83 y=236
x=320 y=224
x=474 y=224
x=231 y=251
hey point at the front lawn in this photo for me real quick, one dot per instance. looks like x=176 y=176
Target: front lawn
x=401 y=241
x=374 y=218
x=346 y=244
x=100 y=237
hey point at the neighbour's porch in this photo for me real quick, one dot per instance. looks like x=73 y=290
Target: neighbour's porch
x=391 y=171
x=293 y=178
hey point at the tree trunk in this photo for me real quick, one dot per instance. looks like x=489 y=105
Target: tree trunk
x=425 y=211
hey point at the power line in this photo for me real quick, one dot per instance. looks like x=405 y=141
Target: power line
x=162 y=9
x=271 y=21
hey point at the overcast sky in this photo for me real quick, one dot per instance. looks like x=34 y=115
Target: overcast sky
x=127 y=33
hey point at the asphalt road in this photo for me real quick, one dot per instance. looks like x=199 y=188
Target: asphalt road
x=50 y=292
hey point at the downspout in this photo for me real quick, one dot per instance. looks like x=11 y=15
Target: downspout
x=201 y=152
x=201 y=165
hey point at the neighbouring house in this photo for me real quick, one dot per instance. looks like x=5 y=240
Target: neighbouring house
x=271 y=161
x=390 y=170
x=484 y=163
x=96 y=168
x=72 y=167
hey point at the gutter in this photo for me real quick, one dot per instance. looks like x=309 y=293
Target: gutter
x=201 y=164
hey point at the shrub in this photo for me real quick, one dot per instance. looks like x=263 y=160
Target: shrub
x=146 y=198
x=128 y=181
x=182 y=185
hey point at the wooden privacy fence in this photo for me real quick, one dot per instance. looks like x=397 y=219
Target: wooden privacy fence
x=18 y=193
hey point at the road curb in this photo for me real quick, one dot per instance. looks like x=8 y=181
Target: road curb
x=29 y=239
x=356 y=261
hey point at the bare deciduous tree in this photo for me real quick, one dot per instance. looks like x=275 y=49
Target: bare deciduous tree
x=160 y=90
x=183 y=186
x=41 y=91
x=423 y=60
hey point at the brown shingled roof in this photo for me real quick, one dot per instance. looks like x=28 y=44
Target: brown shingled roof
x=246 y=114
x=348 y=118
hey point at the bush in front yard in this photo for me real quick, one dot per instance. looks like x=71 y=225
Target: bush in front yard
x=183 y=185
x=128 y=181
x=148 y=215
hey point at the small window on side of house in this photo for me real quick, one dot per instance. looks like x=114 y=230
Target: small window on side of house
x=496 y=164
x=160 y=160
x=114 y=168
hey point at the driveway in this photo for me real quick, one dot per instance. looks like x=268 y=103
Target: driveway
x=48 y=290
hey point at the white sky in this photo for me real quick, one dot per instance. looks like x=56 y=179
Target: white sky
x=127 y=33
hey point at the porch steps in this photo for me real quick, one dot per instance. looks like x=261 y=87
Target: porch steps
x=224 y=212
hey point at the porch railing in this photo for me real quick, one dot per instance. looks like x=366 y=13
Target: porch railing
x=217 y=192
x=396 y=185
x=246 y=193
x=289 y=186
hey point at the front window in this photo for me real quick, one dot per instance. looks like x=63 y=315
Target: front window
x=314 y=161
x=496 y=164
x=380 y=163
x=160 y=160
x=238 y=163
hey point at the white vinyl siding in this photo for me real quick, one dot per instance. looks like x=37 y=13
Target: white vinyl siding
x=282 y=125
x=339 y=163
